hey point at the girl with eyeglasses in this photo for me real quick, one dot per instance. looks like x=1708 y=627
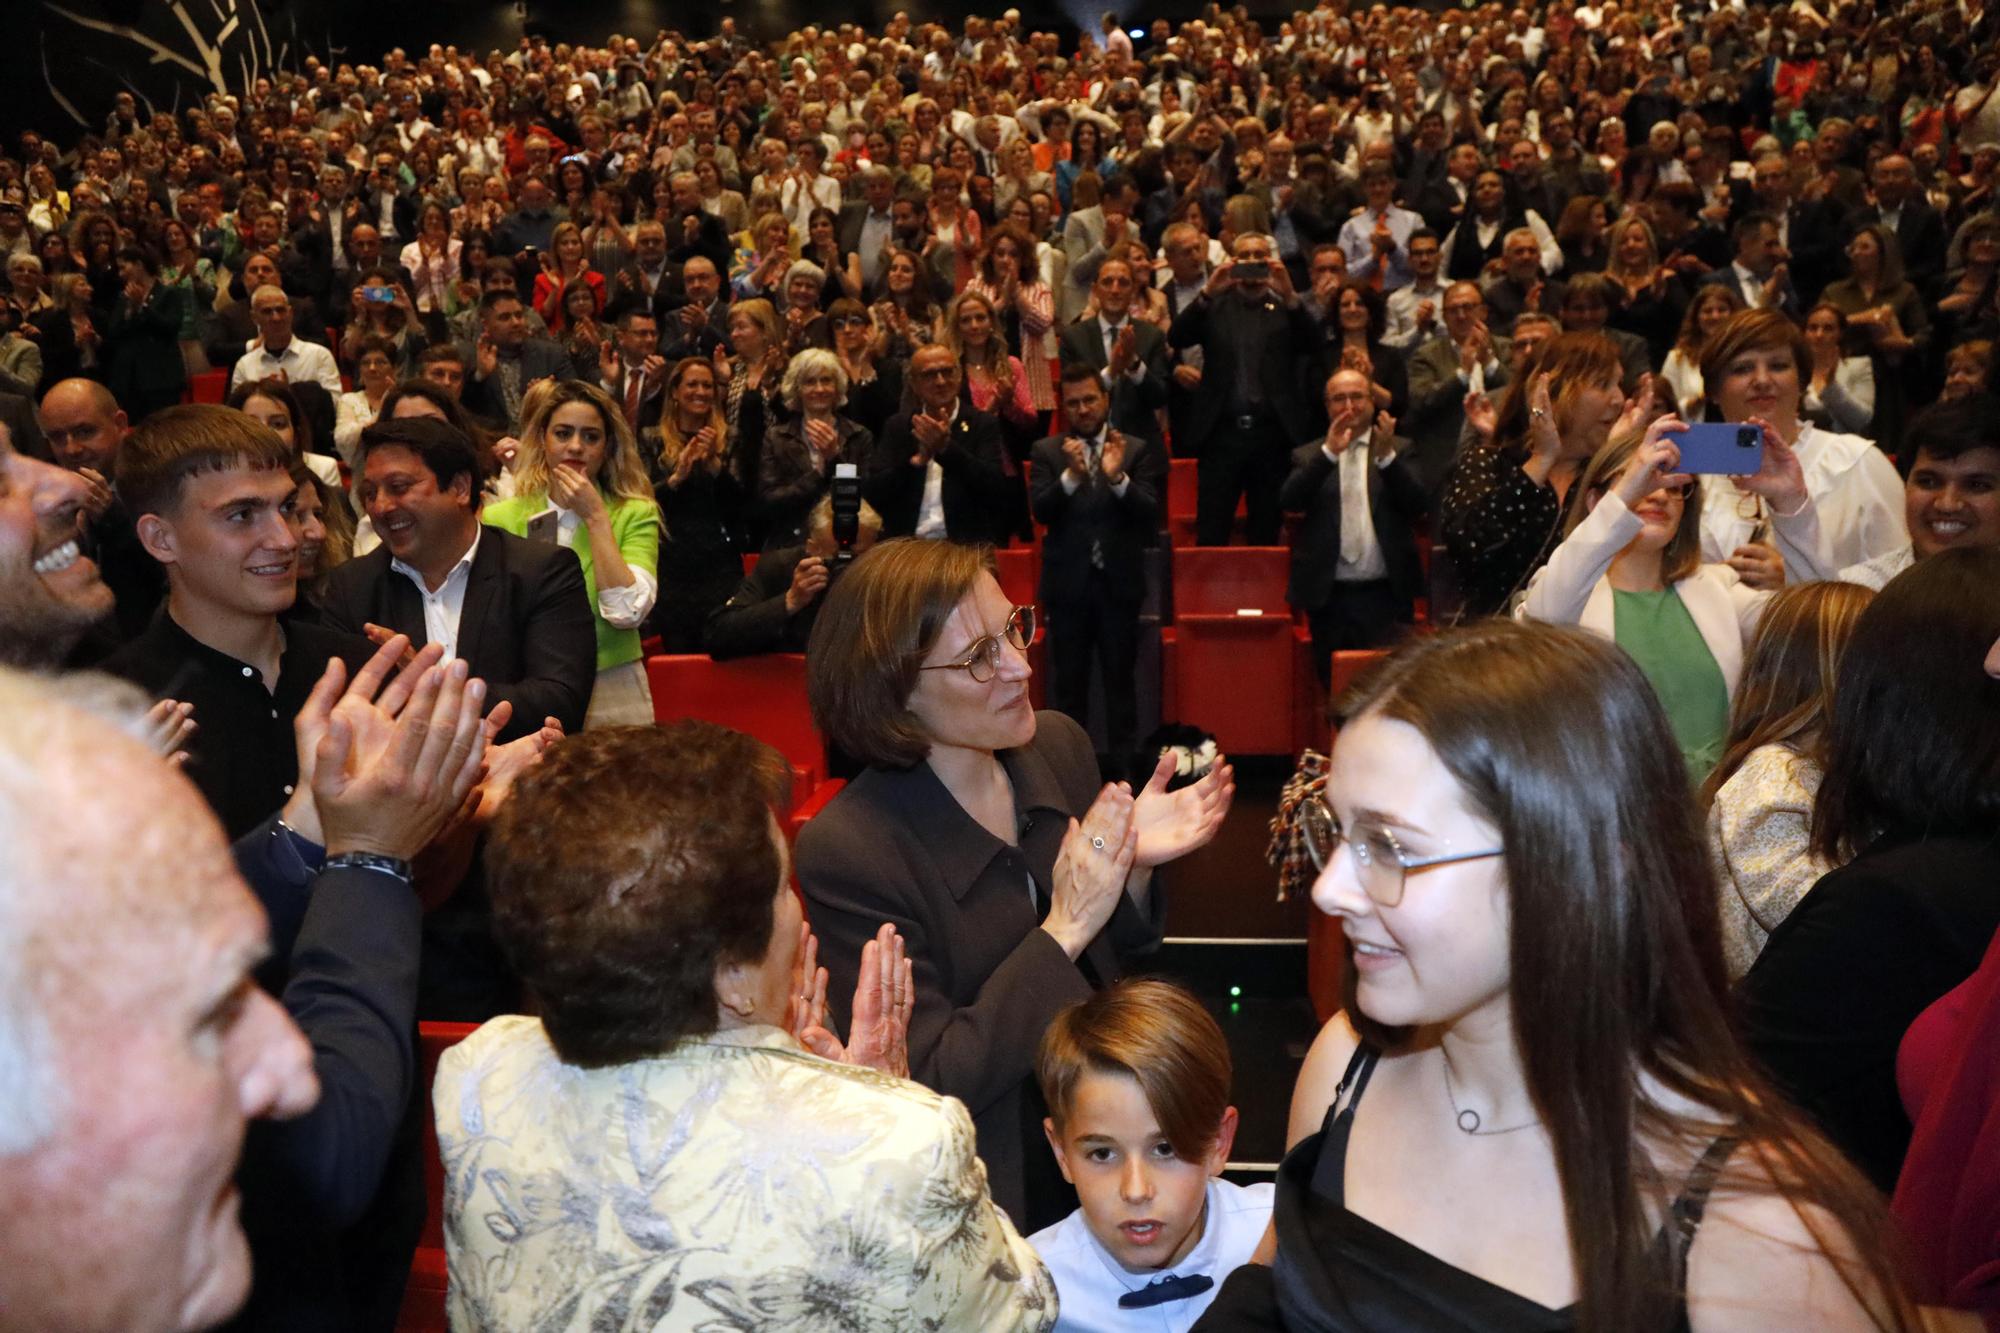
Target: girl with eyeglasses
x=1533 y=1112
x=1630 y=568
x=984 y=831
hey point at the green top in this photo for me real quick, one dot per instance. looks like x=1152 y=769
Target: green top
x=636 y=525
x=1656 y=629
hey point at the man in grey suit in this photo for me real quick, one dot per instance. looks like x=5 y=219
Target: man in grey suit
x=1133 y=351
x=1089 y=237
x=1466 y=358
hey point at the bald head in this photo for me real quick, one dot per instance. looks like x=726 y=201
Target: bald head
x=84 y=426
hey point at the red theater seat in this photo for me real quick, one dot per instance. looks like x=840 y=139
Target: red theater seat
x=1181 y=488
x=1019 y=569
x=423 y=1299
x=1231 y=656
x=762 y=696
x=210 y=386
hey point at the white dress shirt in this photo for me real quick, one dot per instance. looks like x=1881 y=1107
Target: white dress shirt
x=443 y=607
x=300 y=360
x=1361 y=559
x=620 y=608
x=1403 y=332
x=930 y=510
x=1089 y=1281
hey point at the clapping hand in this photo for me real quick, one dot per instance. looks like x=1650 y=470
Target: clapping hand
x=1172 y=824
x=879 y=1028
x=97 y=493
x=387 y=773
x=1091 y=867
x=1640 y=409
x=1111 y=459
x=931 y=433
x=1481 y=415
x=170 y=725
x=823 y=438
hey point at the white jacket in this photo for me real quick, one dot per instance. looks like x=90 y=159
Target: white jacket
x=1854 y=487
x=1574 y=587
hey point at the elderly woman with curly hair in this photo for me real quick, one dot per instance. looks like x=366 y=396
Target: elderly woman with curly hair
x=677 y=1138
x=801 y=451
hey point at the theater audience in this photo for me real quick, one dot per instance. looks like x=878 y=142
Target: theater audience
x=1760 y=796
x=980 y=830
x=579 y=482
x=1650 y=1174
x=641 y=886
x=1906 y=809
x=1136 y=1079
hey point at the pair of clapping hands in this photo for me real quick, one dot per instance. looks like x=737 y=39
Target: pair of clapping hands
x=390 y=759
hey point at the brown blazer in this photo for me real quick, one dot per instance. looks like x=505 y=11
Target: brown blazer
x=894 y=846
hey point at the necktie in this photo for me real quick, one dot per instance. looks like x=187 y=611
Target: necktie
x=633 y=379
x=1111 y=332
x=1166 y=1289
x=1353 y=503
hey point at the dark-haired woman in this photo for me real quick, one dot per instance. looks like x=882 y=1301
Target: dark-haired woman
x=1475 y=1147
x=674 y=1140
x=963 y=832
x=1912 y=794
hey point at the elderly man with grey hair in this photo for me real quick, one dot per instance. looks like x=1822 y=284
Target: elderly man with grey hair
x=135 y=1043
x=865 y=227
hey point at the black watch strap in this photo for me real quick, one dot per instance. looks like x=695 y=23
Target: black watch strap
x=387 y=865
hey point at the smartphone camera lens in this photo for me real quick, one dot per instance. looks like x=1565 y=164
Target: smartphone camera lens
x=1748 y=437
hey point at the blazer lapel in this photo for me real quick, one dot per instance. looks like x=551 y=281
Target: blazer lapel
x=482 y=587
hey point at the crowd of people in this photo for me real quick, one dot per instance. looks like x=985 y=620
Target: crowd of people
x=369 y=424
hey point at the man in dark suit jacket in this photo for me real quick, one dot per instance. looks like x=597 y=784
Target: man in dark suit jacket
x=947 y=449
x=1254 y=332
x=1355 y=569
x=1134 y=352
x=514 y=609
x=865 y=226
x=696 y=321
x=1812 y=231
x=1100 y=492
x=1918 y=228
x=1442 y=371
x=142 y=353
x=507 y=360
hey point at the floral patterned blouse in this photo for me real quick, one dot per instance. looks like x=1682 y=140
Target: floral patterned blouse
x=736 y=1182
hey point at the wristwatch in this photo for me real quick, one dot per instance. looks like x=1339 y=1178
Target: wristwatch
x=387 y=865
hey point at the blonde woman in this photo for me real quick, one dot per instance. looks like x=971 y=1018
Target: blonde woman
x=579 y=479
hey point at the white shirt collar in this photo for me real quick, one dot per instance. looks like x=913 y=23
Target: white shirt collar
x=464 y=564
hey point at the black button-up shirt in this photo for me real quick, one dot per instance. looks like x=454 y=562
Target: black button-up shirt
x=242 y=755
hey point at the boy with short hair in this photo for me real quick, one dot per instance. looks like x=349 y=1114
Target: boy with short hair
x=1137 y=1082
x=211 y=493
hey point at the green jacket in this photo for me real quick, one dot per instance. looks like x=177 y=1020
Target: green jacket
x=636 y=524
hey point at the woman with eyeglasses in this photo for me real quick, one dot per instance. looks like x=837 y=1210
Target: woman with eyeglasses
x=1533 y=1112
x=1630 y=568
x=874 y=383
x=982 y=830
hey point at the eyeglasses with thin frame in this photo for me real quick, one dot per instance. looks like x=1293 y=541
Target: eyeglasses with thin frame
x=981 y=660
x=1380 y=863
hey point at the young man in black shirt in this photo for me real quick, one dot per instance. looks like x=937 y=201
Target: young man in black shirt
x=210 y=491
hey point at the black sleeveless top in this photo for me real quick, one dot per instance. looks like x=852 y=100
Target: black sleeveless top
x=1337 y=1272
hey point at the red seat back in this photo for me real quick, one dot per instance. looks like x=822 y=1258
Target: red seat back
x=1222 y=580
x=210 y=386
x=761 y=696
x=1019 y=569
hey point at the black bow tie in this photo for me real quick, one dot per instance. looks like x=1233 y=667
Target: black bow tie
x=1164 y=1290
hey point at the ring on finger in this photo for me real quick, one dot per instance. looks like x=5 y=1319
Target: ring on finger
x=1097 y=844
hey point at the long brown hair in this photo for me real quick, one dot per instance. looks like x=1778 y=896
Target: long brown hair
x=1786 y=692
x=1617 y=984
